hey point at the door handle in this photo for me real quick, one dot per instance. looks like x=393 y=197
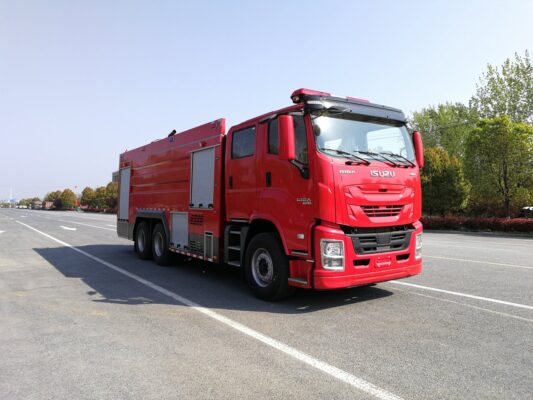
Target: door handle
x=268 y=179
x=231 y=182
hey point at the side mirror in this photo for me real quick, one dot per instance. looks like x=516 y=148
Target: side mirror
x=287 y=151
x=419 y=148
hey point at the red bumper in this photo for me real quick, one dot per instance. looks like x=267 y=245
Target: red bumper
x=364 y=269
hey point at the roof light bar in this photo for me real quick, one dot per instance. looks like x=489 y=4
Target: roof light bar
x=298 y=95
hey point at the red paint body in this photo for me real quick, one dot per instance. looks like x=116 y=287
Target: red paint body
x=264 y=190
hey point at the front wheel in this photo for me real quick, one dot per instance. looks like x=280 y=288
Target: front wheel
x=267 y=267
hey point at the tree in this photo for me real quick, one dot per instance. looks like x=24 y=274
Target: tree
x=58 y=204
x=87 y=197
x=112 y=195
x=68 y=198
x=444 y=187
x=53 y=196
x=507 y=90
x=100 y=196
x=499 y=161
x=446 y=126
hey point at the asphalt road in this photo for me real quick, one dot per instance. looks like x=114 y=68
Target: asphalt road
x=81 y=317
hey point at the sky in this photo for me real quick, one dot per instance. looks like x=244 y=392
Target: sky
x=82 y=81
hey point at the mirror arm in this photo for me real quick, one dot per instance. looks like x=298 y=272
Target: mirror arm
x=303 y=168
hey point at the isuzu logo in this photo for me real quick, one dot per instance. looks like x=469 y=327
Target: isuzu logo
x=378 y=173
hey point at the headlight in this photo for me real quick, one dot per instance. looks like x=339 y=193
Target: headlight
x=332 y=252
x=418 y=246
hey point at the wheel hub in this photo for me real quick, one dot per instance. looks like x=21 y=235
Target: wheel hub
x=262 y=267
x=158 y=244
x=140 y=241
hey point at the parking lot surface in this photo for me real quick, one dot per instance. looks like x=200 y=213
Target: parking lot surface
x=82 y=317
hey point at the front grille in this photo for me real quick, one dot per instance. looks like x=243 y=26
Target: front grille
x=380 y=240
x=382 y=211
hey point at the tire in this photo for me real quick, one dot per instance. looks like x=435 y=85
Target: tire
x=267 y=267
x=160 y=250
x=143 y=241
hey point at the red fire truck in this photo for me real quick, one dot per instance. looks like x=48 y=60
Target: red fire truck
x=322 y=194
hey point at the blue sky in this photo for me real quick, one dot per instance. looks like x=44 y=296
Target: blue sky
x=81 y=81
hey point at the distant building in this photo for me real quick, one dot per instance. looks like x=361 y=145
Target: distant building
x=114 y=177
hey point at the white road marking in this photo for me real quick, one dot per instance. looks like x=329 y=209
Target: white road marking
x=114 y=226
x=467 y=305
x=470 y=296
x=81 y=223
x=66 y=227
x=335 y=372
x=2 y=232
x=479 y=262
x=82 y=217
x=464 y=246
x=527 y=242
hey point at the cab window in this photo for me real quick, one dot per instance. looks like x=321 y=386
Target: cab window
x=243 y=143
x=300 y=138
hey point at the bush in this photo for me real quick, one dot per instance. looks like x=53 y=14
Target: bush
x=479 y=224
x=444 y=187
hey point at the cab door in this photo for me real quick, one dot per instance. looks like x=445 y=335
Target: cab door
x=242 y=170
x=286 y=190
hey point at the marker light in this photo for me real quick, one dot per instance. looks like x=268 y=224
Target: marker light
x=418 y=246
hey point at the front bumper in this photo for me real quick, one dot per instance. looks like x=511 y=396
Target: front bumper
x=363 y=269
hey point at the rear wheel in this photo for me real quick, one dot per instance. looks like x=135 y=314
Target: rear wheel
x=143 y=245
x=267 y=267
x=160 y=249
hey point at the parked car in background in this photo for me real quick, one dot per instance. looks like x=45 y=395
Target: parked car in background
x=526 y=212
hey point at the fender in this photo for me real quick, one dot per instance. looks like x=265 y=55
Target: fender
x=153 y=215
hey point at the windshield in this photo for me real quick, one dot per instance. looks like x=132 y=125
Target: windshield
x=344 y=134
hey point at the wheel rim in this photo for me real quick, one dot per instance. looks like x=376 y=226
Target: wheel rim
x=262 y=267
x=158 y=244
x=140 y=240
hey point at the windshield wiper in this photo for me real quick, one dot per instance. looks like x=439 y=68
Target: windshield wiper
x=390 y=153
x=379 y=157
x=361 y=160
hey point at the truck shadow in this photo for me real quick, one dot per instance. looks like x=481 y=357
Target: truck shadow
x=209 y=285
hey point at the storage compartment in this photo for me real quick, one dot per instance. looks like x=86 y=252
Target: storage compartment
x=179 y=235
x=124 y=194
x=202 y=178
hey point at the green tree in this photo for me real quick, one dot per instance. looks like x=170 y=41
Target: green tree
x=100 y=196
x=444 y=187
x=499 y=161
x=53 y=196
x=87 y=196
x=112 y=195
x=446 y=126
x=507 y=90
x=68 y=198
